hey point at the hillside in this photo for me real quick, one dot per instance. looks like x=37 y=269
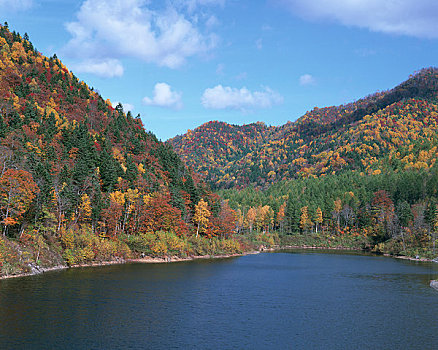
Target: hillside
x=215 y=147
x=395 y=129
x=82 y=181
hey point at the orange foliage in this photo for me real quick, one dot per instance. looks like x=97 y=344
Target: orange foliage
x=17 y=190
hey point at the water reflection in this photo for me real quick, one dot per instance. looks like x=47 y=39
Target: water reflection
x=274 y=300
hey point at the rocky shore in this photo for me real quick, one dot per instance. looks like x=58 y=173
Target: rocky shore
x=36 y=270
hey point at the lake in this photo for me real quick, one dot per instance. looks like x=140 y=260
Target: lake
x=283 y=300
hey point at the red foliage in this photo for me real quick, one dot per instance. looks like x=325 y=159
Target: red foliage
x=159 y=215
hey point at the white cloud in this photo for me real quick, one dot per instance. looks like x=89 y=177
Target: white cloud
x=212 y=21
x=221 y=97
x=105 y=68
x=113 y=29
x=406 y=17
x=192 y=5
x=15 y=5
x=126 y=106
x=164 y=97
x=259 y=44
x=307 y=79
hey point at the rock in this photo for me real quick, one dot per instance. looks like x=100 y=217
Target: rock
x=34 y=268
x=434 y=284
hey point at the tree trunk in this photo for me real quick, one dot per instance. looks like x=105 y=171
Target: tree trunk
x=403 y=240
x=6 y=226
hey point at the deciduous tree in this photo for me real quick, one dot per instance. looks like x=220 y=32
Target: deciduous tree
x=201 y=217
x=17 y=190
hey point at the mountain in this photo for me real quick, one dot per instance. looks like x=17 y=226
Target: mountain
x=216 y=146
x=81 y=180
x=393 y=129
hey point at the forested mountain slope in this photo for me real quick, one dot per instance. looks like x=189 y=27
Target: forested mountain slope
x=76 y=174
x=395 y=129
x=215 y=147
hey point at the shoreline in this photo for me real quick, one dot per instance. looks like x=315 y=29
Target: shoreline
x=145 y=260
x=41 y=271
x=403 y=257
x=176 y=259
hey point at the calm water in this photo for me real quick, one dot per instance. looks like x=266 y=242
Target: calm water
x=288 y=300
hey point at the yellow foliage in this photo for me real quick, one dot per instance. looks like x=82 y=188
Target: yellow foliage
x=117 y=155
x=147 y=198
x=18 y=51
x=318 y=218
x=141 y=168
x=131 y=195
x=250 y=218
x=305 y=221
x=201 y=215
x=118 y=197
x=85 y=207
x=159 y=248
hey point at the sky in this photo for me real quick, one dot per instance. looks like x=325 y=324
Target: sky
x=181 y=63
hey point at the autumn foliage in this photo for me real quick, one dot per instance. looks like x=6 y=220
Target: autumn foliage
x=17 y=190
x=74 y=167
x=394 y=129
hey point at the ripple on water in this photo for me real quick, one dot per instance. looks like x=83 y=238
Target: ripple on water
x=274 y=300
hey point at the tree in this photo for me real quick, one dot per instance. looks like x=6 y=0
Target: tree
x=201 y=216
x=114 y=212
x=157 y=214
x=293 y=214
x=250 y=218
x=227 y=219
x=240 y=220
x=281 y=216
x=337 y=206
x=405 y=217
x=305 y=221
x=17 y=190
x=383 y=209
x=318 y=219
x=85 y=208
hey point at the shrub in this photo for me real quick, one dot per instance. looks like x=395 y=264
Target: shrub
x=82 y=246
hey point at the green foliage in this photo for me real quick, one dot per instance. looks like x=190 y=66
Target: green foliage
x=373 y=207
x=203 y=246
x=168 y=244
x=82 y=246
x=393 y=130
x=78 y=147
x=357 y=242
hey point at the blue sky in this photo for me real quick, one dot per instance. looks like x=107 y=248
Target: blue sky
x=180 y=63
